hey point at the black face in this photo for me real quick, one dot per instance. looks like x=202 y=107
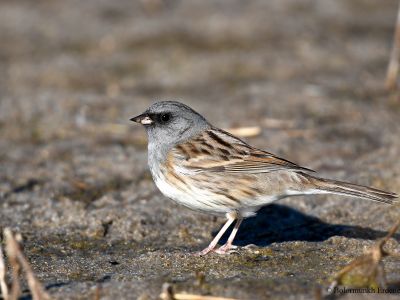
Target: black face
x=151 y=119
x=162 y=118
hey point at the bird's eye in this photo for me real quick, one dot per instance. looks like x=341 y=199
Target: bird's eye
x=165 y=117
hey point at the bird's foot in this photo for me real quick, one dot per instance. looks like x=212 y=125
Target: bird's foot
x=204 y=251
x=226 y=249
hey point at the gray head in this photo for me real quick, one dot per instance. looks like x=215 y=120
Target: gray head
x=169 y=122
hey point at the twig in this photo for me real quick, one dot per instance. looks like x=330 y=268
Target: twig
x=97 y=292
x=15 y=267
x=273 y=123
x=393 y=67
x=199 y=297
x=245 y=131
x=3 y=284
x=168 y=294
x=372 y=260
x=17 y=259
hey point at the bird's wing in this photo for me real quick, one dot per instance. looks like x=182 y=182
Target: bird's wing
x=215 y=150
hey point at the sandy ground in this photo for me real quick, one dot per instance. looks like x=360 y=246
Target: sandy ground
x=73 y=169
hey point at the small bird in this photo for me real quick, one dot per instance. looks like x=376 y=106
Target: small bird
x=208 y=169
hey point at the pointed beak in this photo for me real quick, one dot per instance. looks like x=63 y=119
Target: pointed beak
x=143 y=119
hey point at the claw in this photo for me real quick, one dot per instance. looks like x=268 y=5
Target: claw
x=204 y=251
x=226 y=249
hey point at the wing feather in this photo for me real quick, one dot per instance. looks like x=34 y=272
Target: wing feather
x=218 y=151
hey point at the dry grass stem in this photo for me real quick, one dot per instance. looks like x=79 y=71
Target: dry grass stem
x=18 y=260
x=393 y=67
x=168 y=294
x=370 y=263
x=198 y=297
x=15 y=267
x=97 y=293
x=278 y=123
x=3 y=284
x=245 y=131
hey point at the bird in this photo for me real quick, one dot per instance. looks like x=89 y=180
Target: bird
x=212 y=171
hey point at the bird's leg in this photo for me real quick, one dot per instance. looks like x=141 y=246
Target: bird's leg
x=231 y=217
x=228 y=246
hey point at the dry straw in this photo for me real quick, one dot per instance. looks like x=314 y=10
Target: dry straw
x=18 y=262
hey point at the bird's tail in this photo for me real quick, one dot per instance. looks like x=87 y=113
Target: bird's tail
x=352 y=190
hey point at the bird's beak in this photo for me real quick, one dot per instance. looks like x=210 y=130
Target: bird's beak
x=143 y=119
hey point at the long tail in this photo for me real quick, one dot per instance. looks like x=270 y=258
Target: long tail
x=353 y=190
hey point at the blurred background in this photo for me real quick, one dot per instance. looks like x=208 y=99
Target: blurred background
x=309 y=74
x=102 y=61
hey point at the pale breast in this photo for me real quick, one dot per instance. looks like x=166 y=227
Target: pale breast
x=184 y=189
x=213 y=192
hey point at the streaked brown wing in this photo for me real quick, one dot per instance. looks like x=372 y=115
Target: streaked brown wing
x=218 y=151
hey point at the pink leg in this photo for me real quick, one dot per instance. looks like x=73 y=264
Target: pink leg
x=228 y=246
x=231 y=218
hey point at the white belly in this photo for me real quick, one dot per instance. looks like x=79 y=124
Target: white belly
x=196 y=199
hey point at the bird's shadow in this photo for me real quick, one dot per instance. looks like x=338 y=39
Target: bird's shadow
x=277 y=223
